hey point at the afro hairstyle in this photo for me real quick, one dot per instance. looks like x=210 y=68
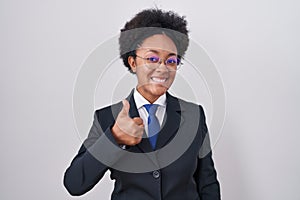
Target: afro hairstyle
x=150 y=22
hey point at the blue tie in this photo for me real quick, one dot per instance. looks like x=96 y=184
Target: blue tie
x=153 y=124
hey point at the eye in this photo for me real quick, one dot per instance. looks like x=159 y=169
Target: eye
x=172 y=61
x=153 y=59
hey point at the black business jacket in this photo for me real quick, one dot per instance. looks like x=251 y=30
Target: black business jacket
x=191 y=176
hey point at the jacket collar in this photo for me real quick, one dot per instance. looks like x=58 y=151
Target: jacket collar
x=170 y=125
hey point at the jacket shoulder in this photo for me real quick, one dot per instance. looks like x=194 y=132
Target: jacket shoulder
x=108 y=114
x=187 y=105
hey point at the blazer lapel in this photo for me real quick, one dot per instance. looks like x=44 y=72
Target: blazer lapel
x=144 y=145
x=171 y=123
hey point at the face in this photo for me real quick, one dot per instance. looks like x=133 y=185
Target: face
x=154 y=82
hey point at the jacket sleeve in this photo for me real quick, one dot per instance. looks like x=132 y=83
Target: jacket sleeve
x=206 y=175
x=97 y=153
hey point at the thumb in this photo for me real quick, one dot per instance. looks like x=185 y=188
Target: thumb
x=125 y=109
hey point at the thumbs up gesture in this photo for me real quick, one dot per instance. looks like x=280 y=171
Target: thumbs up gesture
x=127 y=130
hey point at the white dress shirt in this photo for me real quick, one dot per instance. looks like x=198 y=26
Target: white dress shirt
x=140 y=101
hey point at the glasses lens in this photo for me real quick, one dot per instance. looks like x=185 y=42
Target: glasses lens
x=151 y=60
x=172 y=62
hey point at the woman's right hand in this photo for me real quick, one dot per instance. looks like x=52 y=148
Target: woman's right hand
x=126 y=130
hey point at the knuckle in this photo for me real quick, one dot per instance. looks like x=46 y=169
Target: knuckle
x=138 y=140
x=132 y=142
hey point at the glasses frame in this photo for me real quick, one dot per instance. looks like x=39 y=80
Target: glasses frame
x=161 y=61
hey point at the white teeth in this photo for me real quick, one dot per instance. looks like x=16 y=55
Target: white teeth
x=158 y=80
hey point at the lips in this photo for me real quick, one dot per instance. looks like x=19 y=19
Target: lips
x=159 y=80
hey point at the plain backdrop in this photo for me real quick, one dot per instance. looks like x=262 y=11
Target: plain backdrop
x=254 y=44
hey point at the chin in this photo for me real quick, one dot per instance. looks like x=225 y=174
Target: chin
x=152 y=91
x=158 y=90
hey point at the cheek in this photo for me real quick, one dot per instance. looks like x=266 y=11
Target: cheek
x=142 y=76
x=171 y=78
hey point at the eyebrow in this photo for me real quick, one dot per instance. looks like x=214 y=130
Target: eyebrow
x=157 y=52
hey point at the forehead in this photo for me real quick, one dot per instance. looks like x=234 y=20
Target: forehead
x=160 y=43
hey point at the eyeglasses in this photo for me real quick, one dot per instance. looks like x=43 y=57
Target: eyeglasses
x=154 y=61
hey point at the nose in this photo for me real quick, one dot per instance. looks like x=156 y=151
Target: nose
x=162 y=66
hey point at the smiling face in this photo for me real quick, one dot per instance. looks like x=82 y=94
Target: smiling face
x=152 y=83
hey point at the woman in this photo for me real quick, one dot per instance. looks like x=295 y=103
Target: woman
x=152 y=142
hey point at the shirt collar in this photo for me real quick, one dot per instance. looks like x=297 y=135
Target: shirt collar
x=140 y=101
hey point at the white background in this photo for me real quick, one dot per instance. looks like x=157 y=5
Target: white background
x=254 y=44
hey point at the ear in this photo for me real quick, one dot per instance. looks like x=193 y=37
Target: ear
x=131 y=62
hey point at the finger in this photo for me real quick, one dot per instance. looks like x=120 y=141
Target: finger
x=139 y=131
x=125 y=109
x=138 y=140
x=142 y=126
x=138 y=121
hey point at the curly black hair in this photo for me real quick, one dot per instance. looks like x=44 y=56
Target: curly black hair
x=150 y=22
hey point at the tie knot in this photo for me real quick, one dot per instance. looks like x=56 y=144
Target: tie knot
x=151 y=108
